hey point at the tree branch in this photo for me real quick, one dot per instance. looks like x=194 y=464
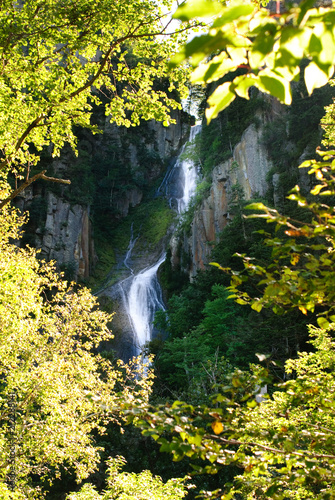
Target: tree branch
x=27 y=183
x=251 y=444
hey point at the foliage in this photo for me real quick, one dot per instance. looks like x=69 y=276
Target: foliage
x=201 y=322
x=284 y=443
x=327 y=123
x=63 y=389
x=268 y=47
x=59 y=59
x=301 y=271
x=127 y=486
x=290 y=137
x=154 y=220
x=172 y=279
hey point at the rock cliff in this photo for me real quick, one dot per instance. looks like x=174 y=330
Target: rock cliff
x=62 y=227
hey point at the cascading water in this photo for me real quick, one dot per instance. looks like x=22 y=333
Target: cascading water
x=144 y=299
x=142 y=294
x=130 y=249
x=180 y=182
x=190 y=176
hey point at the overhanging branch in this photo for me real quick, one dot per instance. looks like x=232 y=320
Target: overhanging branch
x=26 y=183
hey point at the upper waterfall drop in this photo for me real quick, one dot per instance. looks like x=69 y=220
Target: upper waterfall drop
x=190 y=175
x=180 y=182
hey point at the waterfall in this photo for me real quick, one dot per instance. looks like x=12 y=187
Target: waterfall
x=142 y=297
x=180 y=182
x=189 y=175
x=130 y=249
x=145 y=298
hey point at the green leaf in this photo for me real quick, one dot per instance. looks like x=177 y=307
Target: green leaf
x=242 y=85
x=236 y=10
x=218 y=67
x=273 y=489
x=227 y=496
x=322 y=322
x=325 y=56
x=197 y=9
x=273 y=84
x=241 y=301
x=262 y=45
x=315 y=77
x=288 y=445
x=219 y=100
x=256 y=206
x=257 y=306
x=316 y=189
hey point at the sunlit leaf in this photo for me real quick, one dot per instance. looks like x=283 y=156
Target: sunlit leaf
x=197 y=9
x=235 y=10
x=315 y=77
x=219 y=100
x=316 y=189
x=257 y=306
x=275 y=85
x=217 y=427
x=215 y=69
x=323 y=322
x=242 y=85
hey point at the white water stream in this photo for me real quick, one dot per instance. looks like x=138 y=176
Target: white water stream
x=144 y=296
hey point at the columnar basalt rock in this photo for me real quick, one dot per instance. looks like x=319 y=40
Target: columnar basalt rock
x=66 y=234
x=66 y=237
x=247 y=169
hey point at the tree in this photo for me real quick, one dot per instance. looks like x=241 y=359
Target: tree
x=62 y=389
x=266 y=48
x=60 y=59
x=283 y=442
x=128 y=486
x=284 y=445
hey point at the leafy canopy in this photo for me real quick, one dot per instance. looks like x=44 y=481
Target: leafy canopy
x=266 y=48
x=283 y=445
x=63 y=389
x=60 y=58
x=128 y=486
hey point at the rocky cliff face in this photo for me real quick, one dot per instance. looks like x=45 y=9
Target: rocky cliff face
x=62 y=228
x=246 y=170
x=67 y=236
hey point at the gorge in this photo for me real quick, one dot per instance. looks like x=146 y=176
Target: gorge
x=122 y=235
x=141 y=295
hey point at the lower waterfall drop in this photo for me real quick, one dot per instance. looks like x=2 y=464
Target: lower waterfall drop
x=144 y=297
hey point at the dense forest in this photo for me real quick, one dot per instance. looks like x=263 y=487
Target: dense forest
x=232 y=397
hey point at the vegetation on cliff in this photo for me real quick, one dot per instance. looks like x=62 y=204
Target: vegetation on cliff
x=62 y=390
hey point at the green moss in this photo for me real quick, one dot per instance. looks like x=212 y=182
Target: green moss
x=106 y=260
x=150 y=220
x=157 y=218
